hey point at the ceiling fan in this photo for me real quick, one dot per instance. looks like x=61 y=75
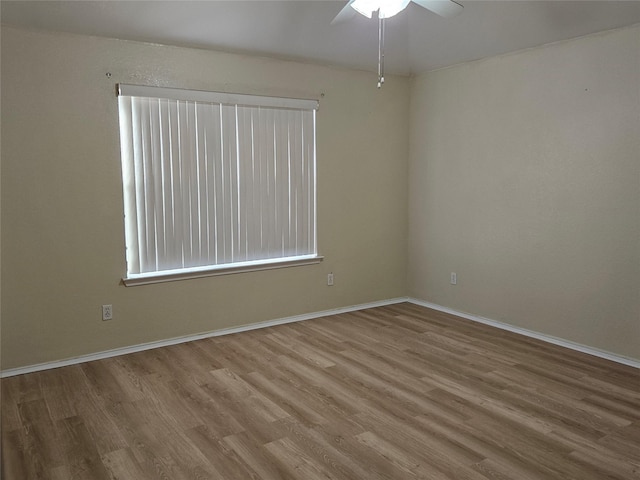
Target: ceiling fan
x=389 y=8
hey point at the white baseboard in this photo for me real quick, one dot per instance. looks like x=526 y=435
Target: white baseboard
x=530 y=333
x=174 y=341
x=309 y=316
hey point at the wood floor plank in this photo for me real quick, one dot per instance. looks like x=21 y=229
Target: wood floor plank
x=226 y=460
x=308 y=353
x=389 y=393
x=101 y=420
x=164 y=406
x=257 y=459
x=122 y=464
x=600 y=462
x=252 y=399
x=203 y=408
x=58 y=389
x=295 y=460
x=41 y=438
x=495 y=470
x=319 y=383
x=323 y=443
x=440 y=456
x=625 y=441
x=10 y=418
x=616 y=406
x=285 y=395
x=13 y=463
x=251 y=355
x=81 y=457
x=59 y=473
x=499 y=461
x=405 y=461
x=340 y=438
x=317 y=407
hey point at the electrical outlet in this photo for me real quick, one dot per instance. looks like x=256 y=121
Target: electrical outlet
x=330 y=279
x=454 y=278
x=107 y=312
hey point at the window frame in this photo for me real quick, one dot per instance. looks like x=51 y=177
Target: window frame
x=130 y=192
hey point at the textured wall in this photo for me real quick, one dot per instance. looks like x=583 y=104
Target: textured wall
x=62 y=227
x=525 y=181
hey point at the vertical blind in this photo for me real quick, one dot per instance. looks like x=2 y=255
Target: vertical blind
x=213 y=179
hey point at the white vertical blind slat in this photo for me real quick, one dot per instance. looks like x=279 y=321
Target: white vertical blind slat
x=145 y=205
x=194 y=205
x=128 y=183
x=201 y=183
x=304 y=183
x=296 y=168
x=210 y=146
x=282 y=182
x=237 y=185
x=186 y=156
x=228 y=191
x=245 y=186
x=311 y=188
x=271 y=185
x=177 y=249
x=262 y=157
x=165 y=183
x=310 y=139
x=157 y=159
x=253 y=185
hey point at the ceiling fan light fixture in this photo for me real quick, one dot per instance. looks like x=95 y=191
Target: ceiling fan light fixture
x=386 y=8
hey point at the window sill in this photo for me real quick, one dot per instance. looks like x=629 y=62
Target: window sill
x=199 y=272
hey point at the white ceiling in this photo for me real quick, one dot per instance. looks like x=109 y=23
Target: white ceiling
x=416 y=39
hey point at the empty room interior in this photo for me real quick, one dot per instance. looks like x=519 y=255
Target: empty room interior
x=320 y=240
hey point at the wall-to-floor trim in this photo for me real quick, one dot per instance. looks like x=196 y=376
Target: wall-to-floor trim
x=173 y=341
x=530 y=333
x=309 y=316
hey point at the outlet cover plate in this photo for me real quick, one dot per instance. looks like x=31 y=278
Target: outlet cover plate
x=107 y=312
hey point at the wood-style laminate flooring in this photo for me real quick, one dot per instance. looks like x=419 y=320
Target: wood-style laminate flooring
x=396 y=392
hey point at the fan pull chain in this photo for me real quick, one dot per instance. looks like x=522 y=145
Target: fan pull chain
x=380 y=50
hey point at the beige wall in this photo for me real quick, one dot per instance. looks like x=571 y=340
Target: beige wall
x=525 y=181
x=523 y=173
x=62 y=228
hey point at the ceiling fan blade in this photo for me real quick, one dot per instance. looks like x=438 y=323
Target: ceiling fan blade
x=444 y=8
x=347 y=13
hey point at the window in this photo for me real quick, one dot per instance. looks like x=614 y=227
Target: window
x=215 y=182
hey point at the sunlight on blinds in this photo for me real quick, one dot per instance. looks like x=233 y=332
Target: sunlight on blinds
x=209 y=183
